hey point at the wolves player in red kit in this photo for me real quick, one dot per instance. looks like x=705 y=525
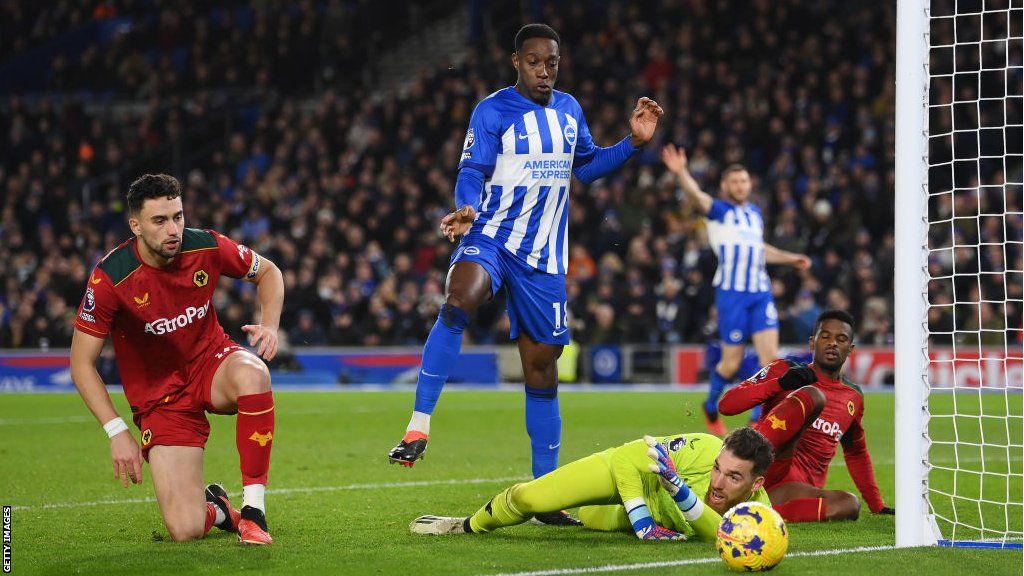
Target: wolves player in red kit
x=808 y=411
x=152 y=296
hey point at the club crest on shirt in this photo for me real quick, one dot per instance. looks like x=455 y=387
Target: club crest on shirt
x=677 y=443
x=569 y=132
x=850 y=407
x=200 y=278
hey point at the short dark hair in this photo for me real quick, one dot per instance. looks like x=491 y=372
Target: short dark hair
x=834 y=314
x=733 y=168
x=536 y=31
x=749 y=444
x=150 y=186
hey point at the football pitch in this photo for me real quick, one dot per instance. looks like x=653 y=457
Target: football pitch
x=336 y=506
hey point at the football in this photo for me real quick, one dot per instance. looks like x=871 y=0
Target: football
x=752 y=538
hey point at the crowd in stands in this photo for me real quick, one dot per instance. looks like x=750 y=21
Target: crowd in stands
x=343 y=187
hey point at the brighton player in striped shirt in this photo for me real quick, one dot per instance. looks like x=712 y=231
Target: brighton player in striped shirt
x=522 y=147
x=743 y=295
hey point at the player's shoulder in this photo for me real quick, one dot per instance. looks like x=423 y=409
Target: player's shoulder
x=496 y=101
x=119 y=263
x=194 y=239
x=565 y=100
x=850 y=383
x=719 y=208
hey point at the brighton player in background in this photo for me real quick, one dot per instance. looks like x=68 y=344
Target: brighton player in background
x=743 y=296
x=153 y=296
x=696 y=478
x=809 y=410
x=522 y=147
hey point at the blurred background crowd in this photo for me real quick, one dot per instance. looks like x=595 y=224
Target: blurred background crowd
x=287 y=136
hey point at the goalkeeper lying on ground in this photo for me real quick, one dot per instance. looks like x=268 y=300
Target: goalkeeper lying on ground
x=669 y=488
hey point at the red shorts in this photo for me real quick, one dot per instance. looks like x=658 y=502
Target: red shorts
x=180 y=419
x=785 y=470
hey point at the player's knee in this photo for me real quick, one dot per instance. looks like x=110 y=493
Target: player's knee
x=525 y=501
x=252 y=378
x=817 y=398
x=464 y=301
x=184 y=531
x=843 y=506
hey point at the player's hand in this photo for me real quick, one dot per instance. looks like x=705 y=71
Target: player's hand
x=887 y=510
x=643 y=121
x=664 y=467
x=801 y=262
x=797 y=377
x=674 y=158
x=127 y=458
x=263 y=338
x=458 y=222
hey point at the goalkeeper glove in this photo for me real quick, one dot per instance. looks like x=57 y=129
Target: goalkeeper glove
x=797 y=377
x=686 y=500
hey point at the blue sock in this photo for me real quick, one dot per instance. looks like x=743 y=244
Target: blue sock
x=718 y=385
x=544 y=425
x=439 y=353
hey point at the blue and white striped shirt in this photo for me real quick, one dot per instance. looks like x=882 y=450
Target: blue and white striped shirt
x=527 y=154
x=736 y=233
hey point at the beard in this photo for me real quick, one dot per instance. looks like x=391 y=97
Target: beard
x=162 y=252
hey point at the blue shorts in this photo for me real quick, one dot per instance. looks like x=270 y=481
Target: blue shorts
x=742 y=314
x=536 y=300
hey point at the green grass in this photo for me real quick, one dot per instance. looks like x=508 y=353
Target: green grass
x=346 y=511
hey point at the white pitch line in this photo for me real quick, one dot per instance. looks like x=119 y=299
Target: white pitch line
x=301 y=490
x=672 y=563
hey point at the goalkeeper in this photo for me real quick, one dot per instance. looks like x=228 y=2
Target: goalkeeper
x=669 y=488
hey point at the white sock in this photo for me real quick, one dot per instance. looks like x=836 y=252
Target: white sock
x=252 y=495
x=219 y=515
x=419 y=422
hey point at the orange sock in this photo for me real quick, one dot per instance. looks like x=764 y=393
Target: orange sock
x=414 y=435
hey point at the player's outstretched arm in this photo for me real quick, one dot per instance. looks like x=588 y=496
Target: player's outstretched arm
x=703 y=519
x=858 y=463
x=125 y=454
x=270 y=293
x=628 y=462
x=675 y=160
x=773 y=255
x=779 y=377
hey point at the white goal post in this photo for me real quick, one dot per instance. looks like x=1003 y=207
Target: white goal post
x=959 y=422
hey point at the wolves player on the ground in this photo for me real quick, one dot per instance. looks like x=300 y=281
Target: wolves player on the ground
x=743 y=294
x=696 y=478
x=153 y=296
x=809 y=410
x=512 y=205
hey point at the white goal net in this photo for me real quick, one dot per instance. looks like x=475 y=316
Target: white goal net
x=971 y=431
